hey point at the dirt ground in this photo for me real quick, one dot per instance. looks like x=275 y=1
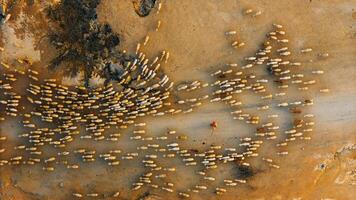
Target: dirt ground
x=194 y=34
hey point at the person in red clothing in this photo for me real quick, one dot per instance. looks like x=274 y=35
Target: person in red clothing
x=213 y=125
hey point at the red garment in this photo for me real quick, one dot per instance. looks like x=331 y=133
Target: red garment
x=214 y=124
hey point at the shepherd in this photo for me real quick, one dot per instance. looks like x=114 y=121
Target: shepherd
x=213 y=126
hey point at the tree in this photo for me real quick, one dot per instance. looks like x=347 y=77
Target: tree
x=83 y=43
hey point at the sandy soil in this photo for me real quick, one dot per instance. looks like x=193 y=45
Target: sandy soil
x=193 y=33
